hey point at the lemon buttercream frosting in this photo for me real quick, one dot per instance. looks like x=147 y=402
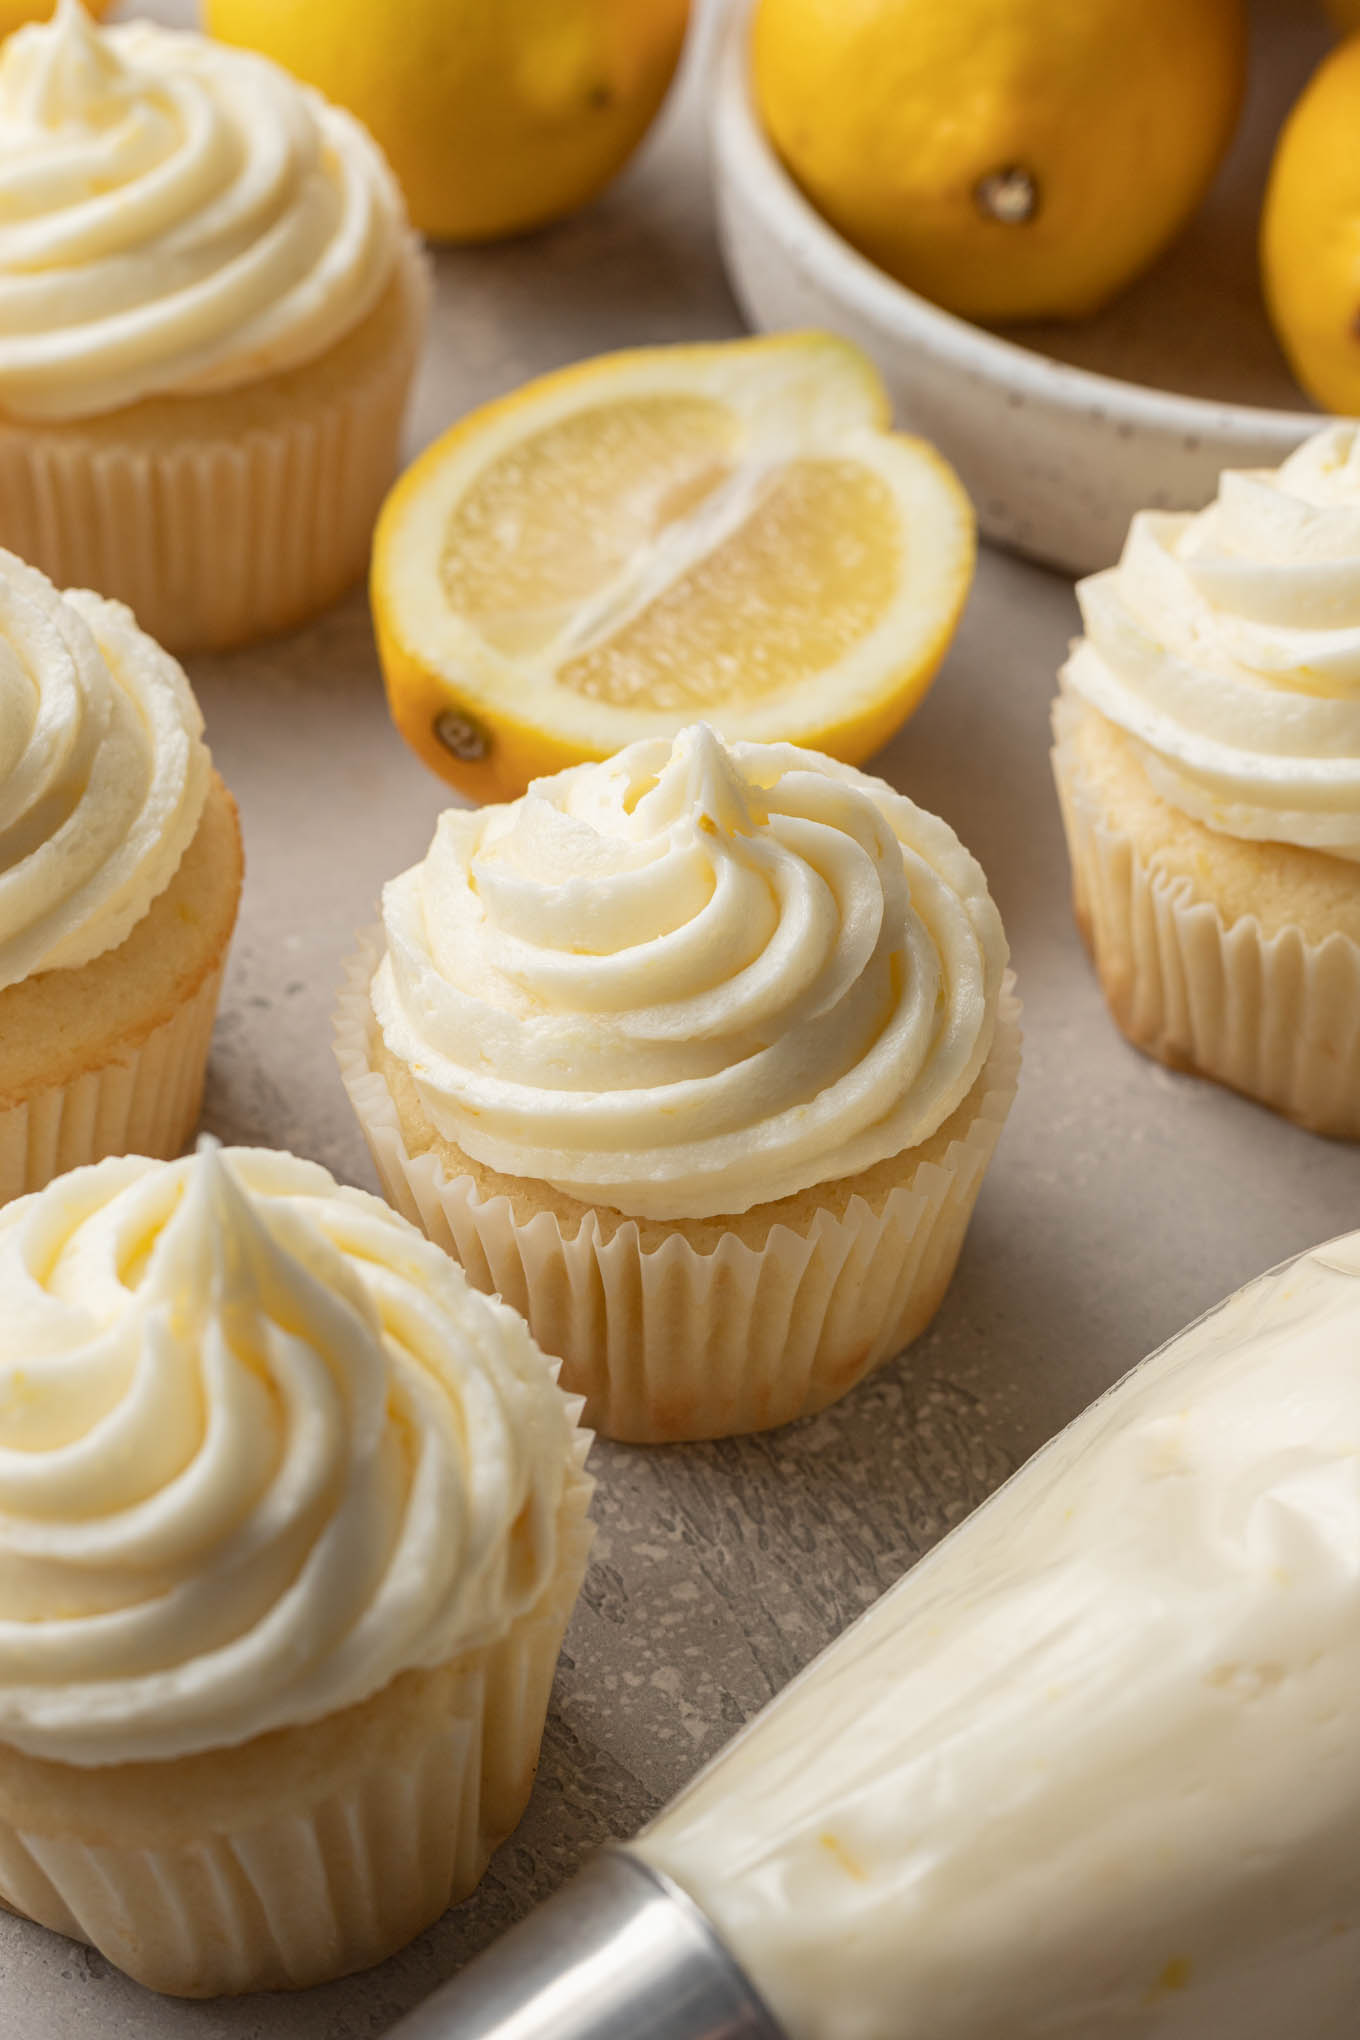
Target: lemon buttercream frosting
x=1090 y=1769
x=261 y=1450
x=693 y=978
x=103 y=773
x=176 y=217
x=1227 y=645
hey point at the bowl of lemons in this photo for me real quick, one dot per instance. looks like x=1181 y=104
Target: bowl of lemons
x=1098 y=254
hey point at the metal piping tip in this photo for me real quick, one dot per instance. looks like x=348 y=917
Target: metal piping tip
x=620 y=1953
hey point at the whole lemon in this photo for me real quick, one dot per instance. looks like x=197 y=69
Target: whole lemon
x=1310 y=233
x=1009 y=159
x=15 y=13
x=496 y=115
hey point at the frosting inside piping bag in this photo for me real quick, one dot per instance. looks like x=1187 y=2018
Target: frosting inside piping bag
x=1091 y=1770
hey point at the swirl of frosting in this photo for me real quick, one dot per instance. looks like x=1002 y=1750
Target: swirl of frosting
x=175 y=216
x=1227 y=645
x=261 y=1449
x=103 y=773
x=691 y=979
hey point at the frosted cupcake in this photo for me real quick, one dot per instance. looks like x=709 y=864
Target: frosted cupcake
x=291 y=1523
x=697 y=1057
x=210 y=310
x=120 y=874
x=1208 y=765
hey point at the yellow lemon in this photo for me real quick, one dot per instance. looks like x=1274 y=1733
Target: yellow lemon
x=1009 y=159
x=14 y=13
x=495 y=114
x=727 y=531
x=1310 y=234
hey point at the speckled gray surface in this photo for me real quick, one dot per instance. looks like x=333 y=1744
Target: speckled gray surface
x=1122 y=1202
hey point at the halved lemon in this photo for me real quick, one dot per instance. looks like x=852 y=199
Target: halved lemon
x=725 y=532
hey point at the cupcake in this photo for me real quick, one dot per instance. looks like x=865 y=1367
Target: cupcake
x=210 y=310
x=696 y=1056
x=1207 y=753
x=291 y=1523
x=120 y=874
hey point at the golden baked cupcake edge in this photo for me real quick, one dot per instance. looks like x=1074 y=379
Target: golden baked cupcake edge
x=293 y=1522
x=697 y=1056
x=1207 y=758
x=120 y=875
x=211 y=307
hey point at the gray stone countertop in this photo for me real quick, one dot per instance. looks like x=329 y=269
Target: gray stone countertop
x=1122 y=1202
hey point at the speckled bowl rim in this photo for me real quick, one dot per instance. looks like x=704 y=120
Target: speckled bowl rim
x=744 y=159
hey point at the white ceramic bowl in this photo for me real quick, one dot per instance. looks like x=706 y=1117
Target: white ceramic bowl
x=1056 y=456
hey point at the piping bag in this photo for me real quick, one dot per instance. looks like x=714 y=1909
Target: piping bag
x=1091 y=1771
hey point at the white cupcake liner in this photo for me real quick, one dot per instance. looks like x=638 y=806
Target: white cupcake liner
x=1274 y=1016
x=212 y=540
x=145 y=1102
x=672 y=1341
x=346 y=1877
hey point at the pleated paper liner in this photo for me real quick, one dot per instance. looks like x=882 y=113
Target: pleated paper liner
x=673 y=1339
x=222 y=519
x=1276 y=1017
x=310 y=1852
x=109 y=1058
x=145 y=1103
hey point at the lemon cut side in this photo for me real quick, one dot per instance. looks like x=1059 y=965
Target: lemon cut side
x=729 y=532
